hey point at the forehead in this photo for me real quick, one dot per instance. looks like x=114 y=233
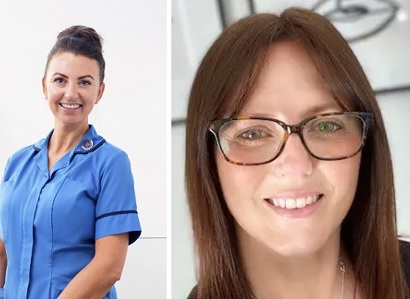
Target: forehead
x=290 y=86
x=72 y=64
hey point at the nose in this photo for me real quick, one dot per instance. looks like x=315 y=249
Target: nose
x=71 y=91
x=294 y=160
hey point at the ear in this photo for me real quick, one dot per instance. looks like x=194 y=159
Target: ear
x=100 y=92
x=43 y=82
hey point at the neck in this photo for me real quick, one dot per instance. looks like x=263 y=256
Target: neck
x=315 y=275
x=65 y=138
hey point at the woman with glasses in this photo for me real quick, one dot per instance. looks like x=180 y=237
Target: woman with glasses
x=67 y=203
x=288 y=169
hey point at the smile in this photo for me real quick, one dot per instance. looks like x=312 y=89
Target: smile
x=70 y=106
x=294 y=203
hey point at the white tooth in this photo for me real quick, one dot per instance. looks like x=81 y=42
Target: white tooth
x=72 y=106
x=300 y=203
x=290 y=203
x=282 y=203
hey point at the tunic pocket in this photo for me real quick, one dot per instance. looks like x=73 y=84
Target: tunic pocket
x=74 y=212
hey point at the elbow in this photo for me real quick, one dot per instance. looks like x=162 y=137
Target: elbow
x=109 y=271
x=110 y=277
x=115 y=275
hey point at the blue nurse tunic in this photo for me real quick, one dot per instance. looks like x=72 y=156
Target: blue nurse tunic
x=50 y=220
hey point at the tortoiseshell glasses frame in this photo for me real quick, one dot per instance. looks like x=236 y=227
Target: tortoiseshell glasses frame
x=327 y=136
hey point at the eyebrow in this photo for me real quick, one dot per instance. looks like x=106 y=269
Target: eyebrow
x=316 y=109
x=323 y=107
x=79 y=78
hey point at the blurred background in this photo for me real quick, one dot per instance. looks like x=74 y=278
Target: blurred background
x=379 y=33
x=131 y=115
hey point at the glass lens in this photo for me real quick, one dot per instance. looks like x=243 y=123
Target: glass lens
x=251 y=140
x=334 y=136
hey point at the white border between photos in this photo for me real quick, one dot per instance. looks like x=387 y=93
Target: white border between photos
x=168 y=149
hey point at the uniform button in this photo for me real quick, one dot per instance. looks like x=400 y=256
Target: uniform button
x=87 y=144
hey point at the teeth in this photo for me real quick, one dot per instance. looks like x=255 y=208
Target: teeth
x=301 y=203
x=294 y=203
x=282 y=203
x=72 y=106
x=290 y=204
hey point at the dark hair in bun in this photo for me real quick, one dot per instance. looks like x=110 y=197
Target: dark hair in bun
x=80 y=40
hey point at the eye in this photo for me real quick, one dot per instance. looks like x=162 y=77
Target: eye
x=85 y=82
x=59 y=80
x=327 y=126
x=253 y=134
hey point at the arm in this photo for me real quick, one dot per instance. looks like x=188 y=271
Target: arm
x=3 y=263
x=96 y=279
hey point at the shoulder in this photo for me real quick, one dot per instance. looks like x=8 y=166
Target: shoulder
x=99 y=147
x=110 y=159
x=112 y=153
x=20 y=155
x=405 y=256
x=23 y=152
x=96 y=145
x=110 y=149
x=27 y=152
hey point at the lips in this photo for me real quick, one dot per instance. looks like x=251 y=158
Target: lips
x=294 y=200
x=294 y=203
x=70 y=106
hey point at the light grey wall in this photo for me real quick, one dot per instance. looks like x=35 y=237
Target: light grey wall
x=131 y=115
x=385 y=59
x=395 y=108
x=194 y=26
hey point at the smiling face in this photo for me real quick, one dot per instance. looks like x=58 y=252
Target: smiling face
x=295 y=204
x=72 y=88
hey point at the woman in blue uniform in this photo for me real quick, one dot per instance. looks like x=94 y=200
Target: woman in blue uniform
x=67 y=203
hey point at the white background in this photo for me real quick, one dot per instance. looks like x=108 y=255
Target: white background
x=131 y=115
x=384 y=57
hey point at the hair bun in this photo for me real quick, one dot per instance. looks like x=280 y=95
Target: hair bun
x=82 y=32
x=79 y=40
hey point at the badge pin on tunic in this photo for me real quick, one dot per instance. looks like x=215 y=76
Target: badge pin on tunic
x=87 y=144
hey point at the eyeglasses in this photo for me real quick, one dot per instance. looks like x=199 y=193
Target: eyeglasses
x=260 y=140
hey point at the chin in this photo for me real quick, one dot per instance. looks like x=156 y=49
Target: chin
x=298 y=247
x=295 y=250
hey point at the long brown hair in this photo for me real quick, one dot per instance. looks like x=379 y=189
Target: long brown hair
x=223 y=83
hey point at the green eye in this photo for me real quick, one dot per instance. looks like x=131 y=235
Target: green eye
x=327 y=126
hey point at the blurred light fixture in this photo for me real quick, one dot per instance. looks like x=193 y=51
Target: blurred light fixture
x=358 y=20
